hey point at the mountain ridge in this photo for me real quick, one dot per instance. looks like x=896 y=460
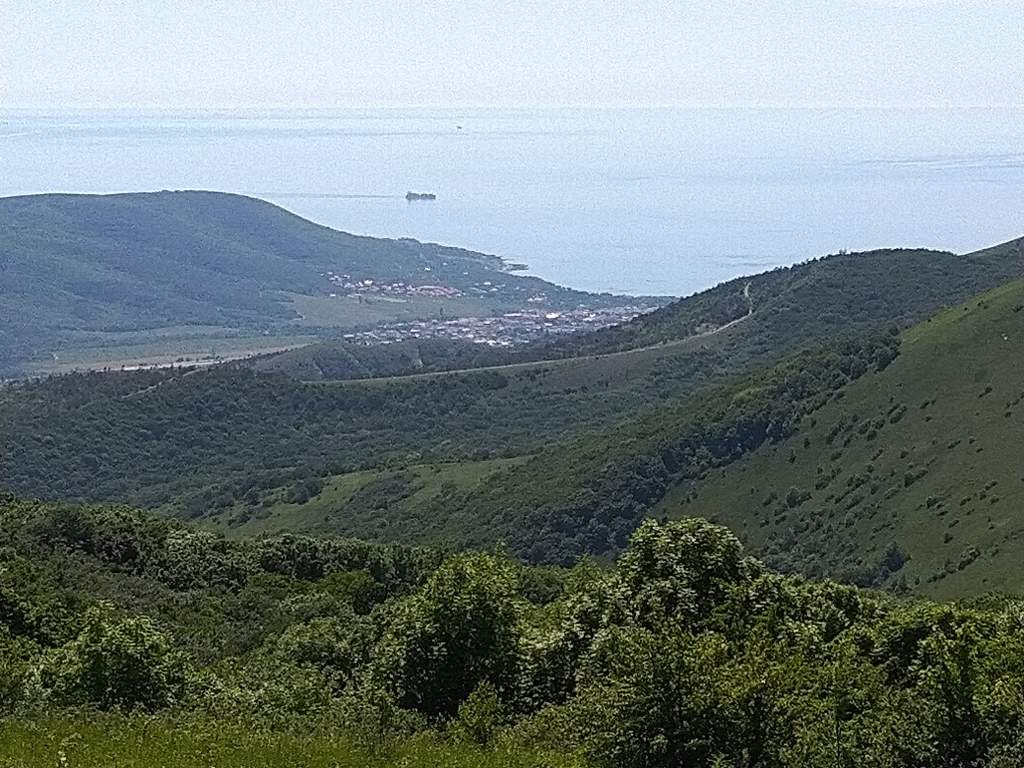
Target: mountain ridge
x=81 y=270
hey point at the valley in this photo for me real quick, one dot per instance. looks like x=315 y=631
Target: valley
x=556 y=449
x=432 y=550
x=490 y=385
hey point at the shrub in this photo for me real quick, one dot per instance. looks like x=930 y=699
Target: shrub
x=336 y=647
x=481 y=717
x=113 y=663
x=681 y=568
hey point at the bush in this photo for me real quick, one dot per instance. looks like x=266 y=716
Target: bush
x=654 y=701
x=16 y=654
x=336 y=647
x=481 y=717
x=681 y=568
x=113 y=664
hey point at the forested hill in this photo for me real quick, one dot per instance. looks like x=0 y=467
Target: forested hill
x=76 y=267
x=852 y=461
x=742 y=323
x=337 y=361
x=810 y=300
x=908 y=477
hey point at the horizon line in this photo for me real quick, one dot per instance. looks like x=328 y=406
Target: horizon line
x=547 y=106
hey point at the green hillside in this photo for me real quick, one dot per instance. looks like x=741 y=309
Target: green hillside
x=244 y=447
x=368 y=501
x=586 y=495
x=913 y=478
x=731 y=328
x=820 y=297
x=82 y=272
x=906 y=477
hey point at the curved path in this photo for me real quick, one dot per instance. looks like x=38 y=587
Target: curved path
x=564 y=360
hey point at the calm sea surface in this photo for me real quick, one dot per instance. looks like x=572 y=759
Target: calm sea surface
x=665 y=201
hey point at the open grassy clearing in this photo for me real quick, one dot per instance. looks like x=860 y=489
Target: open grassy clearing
x=368 y=502
x=109 y=741
x=165 y=352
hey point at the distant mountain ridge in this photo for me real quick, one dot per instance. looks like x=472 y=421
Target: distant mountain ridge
x=832 y=292
x=747 y=321
x=77 y=269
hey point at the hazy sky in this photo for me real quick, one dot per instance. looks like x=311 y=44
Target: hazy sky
x=210 y=53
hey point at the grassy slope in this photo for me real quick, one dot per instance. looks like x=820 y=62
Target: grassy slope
x=369 y=501
x=104 y=741
x=924 y=455
x=586 y=495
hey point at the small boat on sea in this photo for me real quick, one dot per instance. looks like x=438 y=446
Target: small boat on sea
x=420 y=196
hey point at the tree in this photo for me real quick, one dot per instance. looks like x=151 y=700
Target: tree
x=654 y=701
x=679 y=569
x=461 y=630
x=334 y=646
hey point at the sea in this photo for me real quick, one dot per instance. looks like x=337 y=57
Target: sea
x=664 y=201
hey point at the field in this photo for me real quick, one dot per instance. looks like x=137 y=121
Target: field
x=110 y=741
x=165 y=350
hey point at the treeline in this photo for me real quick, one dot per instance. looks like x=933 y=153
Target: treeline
x=686 y=652
x=337 y=361
x=223 y=596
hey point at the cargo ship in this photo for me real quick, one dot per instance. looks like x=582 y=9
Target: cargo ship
x=420 y=196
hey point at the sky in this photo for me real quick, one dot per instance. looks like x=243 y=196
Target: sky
x=236 y=53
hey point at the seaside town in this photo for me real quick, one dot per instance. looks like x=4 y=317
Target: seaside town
x=397 y=289
x=501 y=330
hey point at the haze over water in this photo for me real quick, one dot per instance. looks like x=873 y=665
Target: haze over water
x=644 y=201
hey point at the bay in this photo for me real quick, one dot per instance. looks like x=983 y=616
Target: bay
x=642 y=201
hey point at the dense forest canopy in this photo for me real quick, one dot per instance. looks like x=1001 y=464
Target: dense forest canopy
x=686 y=652
x=245 y=434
